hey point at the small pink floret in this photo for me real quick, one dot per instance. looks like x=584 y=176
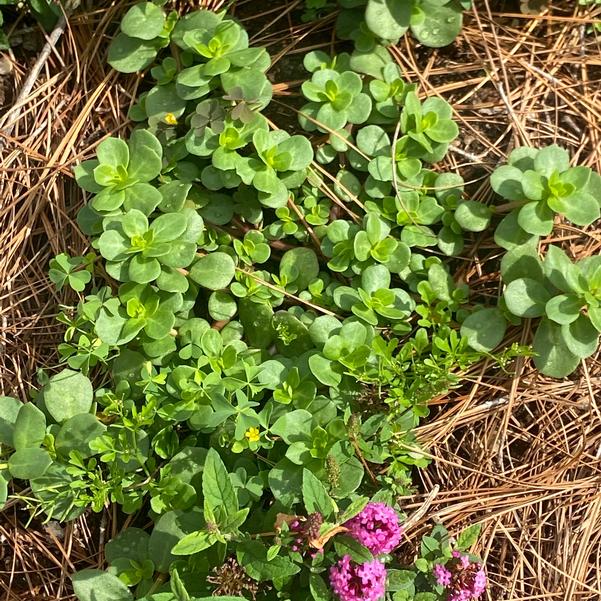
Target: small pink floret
x=377 y=528
x=358 y=582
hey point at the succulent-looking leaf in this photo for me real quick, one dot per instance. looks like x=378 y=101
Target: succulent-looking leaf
x=553 y=358
x=484 y=329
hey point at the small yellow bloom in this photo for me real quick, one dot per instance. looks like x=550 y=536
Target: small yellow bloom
x=170 y=119
x=253 y=434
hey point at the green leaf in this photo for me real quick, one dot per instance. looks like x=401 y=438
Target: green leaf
x=400 y=580
x=560 y=270
x=173 y=195
x=285 y=480
x=134 y=223
x=131 y=543
x=551 y=159
x=594 y=314
x=97 y=585
x=581 y=338
x=113 y=152
x=345 y=545
x=563 y=308
x=484 y=329
x=220 y=497
x=315 y=496
x=9 y=409
x=507 y=182
x=319 y=589
x=509 y=234
x=554 y=358
x=29 y=463
x=178 y=588
x=580 y=208
x=257 y=321
x=222 y=306
x=536 y=218
x=171 y=527
x=443 y=131
x=214 y=271
x=84 y=175
x=522 y=262
x=373 y=140
x=214 y=598
x=252 y=556
x=194 y=543
x=143 y=269
x=30 y=427
x=294 y=426
x=144 y=21
x=526 y=297
x=146 y=155
x=77 y=433
x=418 y=235
x=300 y=150
x=425 y=597
x=328 y=372
x=68 y=393
x=388 y=19
x=375 y=277
x=468 y=537
x=439 y=24
x=129 y=55
x=113 y=245
x=168 y=227
x=473 y=216
x=301 y=266
x=353 y=509
x=441 y=281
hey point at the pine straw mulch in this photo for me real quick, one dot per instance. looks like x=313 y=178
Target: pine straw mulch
x=517 y=452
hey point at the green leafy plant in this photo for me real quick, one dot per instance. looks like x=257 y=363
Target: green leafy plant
x=543 y=184
x=261 y=326
x=540 y=184
x=434 y=23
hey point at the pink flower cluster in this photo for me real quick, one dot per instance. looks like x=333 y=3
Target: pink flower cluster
x=466 y=580
x=376 y=527
x=358 y=582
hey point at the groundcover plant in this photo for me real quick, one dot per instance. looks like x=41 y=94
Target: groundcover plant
x=264 y=317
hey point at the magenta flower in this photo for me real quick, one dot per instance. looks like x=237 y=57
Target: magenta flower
x=376 y=527
x=358 y=582
x=443 y=576
x=464 y=579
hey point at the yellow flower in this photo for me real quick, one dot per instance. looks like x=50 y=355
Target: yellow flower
x=253 y=435
x=170 y=119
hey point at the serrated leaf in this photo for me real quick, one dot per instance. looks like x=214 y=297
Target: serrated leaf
x=194 y=543
x=468 y=537
x=345 y=545
x=315 y=495
x=219 y=495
